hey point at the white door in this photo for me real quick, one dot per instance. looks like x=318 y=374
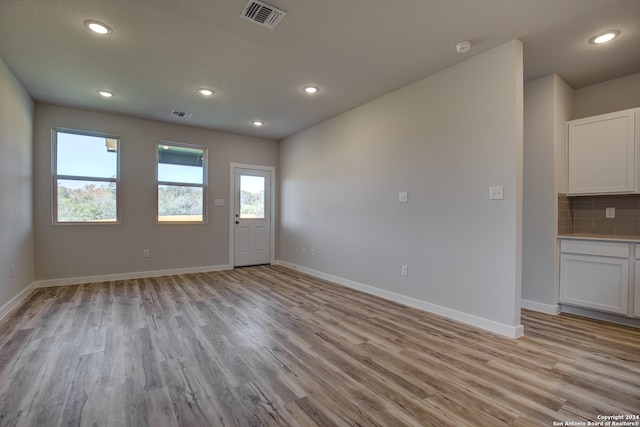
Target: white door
x=252 y=217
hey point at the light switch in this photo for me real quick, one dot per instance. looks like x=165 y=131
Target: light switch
x=610 y=212
x=218 y=202
x=403 y=197
x=496 y=193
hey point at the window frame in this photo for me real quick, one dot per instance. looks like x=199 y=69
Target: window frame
x=55 y=177
x=204 y=185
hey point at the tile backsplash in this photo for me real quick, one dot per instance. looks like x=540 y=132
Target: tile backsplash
x=587 y=215
x=565 y=214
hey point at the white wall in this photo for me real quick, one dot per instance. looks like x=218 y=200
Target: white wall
x=606 y=97
x=547 y=106
x=16 y=176
x=444 y=139
x=72 y=251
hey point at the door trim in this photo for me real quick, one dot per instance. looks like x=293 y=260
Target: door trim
x=232 y=228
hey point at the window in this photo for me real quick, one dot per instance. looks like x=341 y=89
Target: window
x=181 y=172
x=86 y=177
x=252 y=189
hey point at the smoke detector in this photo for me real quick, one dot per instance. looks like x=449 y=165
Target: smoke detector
x=463 y=47
x=182 y=114
x=262 y=14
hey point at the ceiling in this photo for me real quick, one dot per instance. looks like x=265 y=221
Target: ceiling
x=160 y=52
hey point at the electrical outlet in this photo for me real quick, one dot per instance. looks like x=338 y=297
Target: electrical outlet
x=610 y=212
x=145 y=253
x=304 y=251
x=405 y=270
x=313 y=252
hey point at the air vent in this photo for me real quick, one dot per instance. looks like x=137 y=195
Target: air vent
x=263 y=14
x=182 y=114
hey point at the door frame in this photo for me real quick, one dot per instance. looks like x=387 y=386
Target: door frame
x=232 y=202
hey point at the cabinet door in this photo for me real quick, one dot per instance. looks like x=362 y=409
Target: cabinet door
x=600 y=283
x=602 y=154
x=636 y=304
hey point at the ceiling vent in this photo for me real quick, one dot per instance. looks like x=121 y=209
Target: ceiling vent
x=263 y=14
x=182 y=114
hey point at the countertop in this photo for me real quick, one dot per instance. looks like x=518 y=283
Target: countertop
x=622 y=239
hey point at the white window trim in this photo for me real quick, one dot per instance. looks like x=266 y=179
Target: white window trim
x=55 y=176
x=204 y=185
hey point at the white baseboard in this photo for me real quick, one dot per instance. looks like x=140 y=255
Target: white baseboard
x=15 y=301
x=469 y=319
x=128 y=276
x=542 y=308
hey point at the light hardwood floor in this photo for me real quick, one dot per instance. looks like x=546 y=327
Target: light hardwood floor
x=271 y=346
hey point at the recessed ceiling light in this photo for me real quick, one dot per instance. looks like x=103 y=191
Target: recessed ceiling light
x=105 y=93
x=205 y=92
x=604 y=37
x=311 y=89
x=258 y=123
x=98 y=27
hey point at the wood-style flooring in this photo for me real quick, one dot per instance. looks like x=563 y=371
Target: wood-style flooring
x=271 y=346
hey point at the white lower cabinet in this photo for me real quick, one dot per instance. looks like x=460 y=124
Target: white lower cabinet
x=636 y=300
x=595 y=275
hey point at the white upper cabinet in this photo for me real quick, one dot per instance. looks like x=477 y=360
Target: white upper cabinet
x=604 y=153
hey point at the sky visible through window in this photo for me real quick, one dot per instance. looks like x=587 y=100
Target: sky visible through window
x=179 y=173
x=252 y=184
x=83 y=155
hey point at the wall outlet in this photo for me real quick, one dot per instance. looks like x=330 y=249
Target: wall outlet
x=405 y=270
x=145 y=253
x=610 y=212
x=313 y=252
x=304 y=251
x=403 y=197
